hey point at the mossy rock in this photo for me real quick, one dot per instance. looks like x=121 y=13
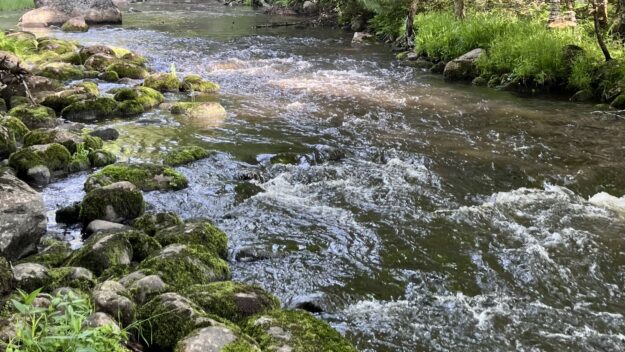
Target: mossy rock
x=53 y=156
x=53 y=253
x=285 y=158
x=128 y=70
x=195 y=83
x=7 y=281
x=618 y=102
x=100 y=62
x=31 y=276
x=170 y=317
x=62 y=71
x=88 y=51
x=129 y=108
x=295 y=330
x=15 y=126
x=217 y=338
x=89 y=87
x=91 y=110
x=246 y=190
x=56 y=45
x=35 y=116
x=232 y=300
x=200 y=232
x=148 y=177
x=76 y=24
x=134 y=58
x=60 y=100
x=185 y=155
x=163 y=82
x=3 y=105
x=103 y=251
x=149 y=97
x=116 y=202
x=68 y=215
x=125 y=93
x=74 y=277
x=46 y=136
x=92 y=142
x=150 y=223
x=109 y=76
x=182 y=265
x=101 y=158
x=79 y=162
x=7 y=143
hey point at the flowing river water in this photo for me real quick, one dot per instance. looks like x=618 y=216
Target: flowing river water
x=422 y=216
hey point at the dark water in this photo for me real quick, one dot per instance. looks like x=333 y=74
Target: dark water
x=459 y=218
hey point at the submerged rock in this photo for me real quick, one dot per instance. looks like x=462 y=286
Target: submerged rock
x=22 y=218
x=106 y=134
x=246 y=190
x=147 y=177
x=463 y=68
x=203 y=115
x=185 y=155
x=163 y=82
x=116 y=202
x=195 y=83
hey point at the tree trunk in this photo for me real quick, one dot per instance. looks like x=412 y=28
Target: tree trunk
x=601 y=8
x=554 y=10
x=410 y=33
x=459 y=9
x=598 y=29
x=619 y=29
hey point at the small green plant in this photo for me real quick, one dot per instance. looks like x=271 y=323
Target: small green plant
x=59 y=327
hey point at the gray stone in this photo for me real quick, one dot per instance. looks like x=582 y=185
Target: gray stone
x=102 y=226
x=23 y=218
x=144 y=288
x=463 y=68
x=57 y=12
x=111 y=297
x=99 y=319
x=31 y=276
x=208 y=339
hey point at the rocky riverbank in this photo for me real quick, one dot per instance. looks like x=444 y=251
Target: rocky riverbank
x=163 y=282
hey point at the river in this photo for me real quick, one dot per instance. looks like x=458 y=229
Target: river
x=422 y=216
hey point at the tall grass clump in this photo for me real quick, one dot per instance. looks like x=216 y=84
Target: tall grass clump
x=59 y=327
x=20 y=47
x=9 y=5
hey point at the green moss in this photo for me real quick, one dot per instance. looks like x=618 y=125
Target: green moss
x=163 y=82
x=34 y=116
x=120 y=52
x=109 y=76
x=127 y=204
x=7 y=281
x=63 y=99
x=100 y=62
x=220 y=298
x=168 y=318
x=142 y=245
x=149 y=97
x=240 y=345
x=185 y=265
x=79 y=162
x=246 y=190
x=7 y=143
x=147 y=177
x=102 y=251
x=56 y=45
x=134 y=59
x=182 y=107
x=62 y=71
x=91 y=110
x=200 y=232
x=150 y=223
x=53 y=254
x=39 y=136
x=131 y=108
x=116 y=272
x=618 y=102
x=92 y=142
x=101 y=158
x=307 y=333
x=195 y=83
x=128 y=70
x=89 y=87
x=285 y=158
x=63 y=277
x=70 y=27
x=123 y=94
x=15 y=126
x=54 y=156
x=185 y=155
x=71 y=58
x=18 y=100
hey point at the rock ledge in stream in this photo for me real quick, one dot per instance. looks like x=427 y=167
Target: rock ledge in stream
x=57 y=12
x=147 y=177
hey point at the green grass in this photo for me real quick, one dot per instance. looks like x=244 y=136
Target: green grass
x=10 y=5
x=59 y=327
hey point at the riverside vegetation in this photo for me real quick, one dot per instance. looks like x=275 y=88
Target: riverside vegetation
x=527 y=46
x=141 y=281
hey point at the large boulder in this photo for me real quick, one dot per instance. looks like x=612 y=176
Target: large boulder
x=103 y=251
x=64 y=137
x=36 y=164
x=199 y=232
x=57 y=12
x=22 y=218
x=147 y=177
x=463 y=68
x=35 y=116
x=216 y=339
x=232 y=300
x=116 y=202
x=295 y=330
x=31 y=276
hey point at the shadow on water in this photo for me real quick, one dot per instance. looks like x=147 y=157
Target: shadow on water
x=423 y=216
